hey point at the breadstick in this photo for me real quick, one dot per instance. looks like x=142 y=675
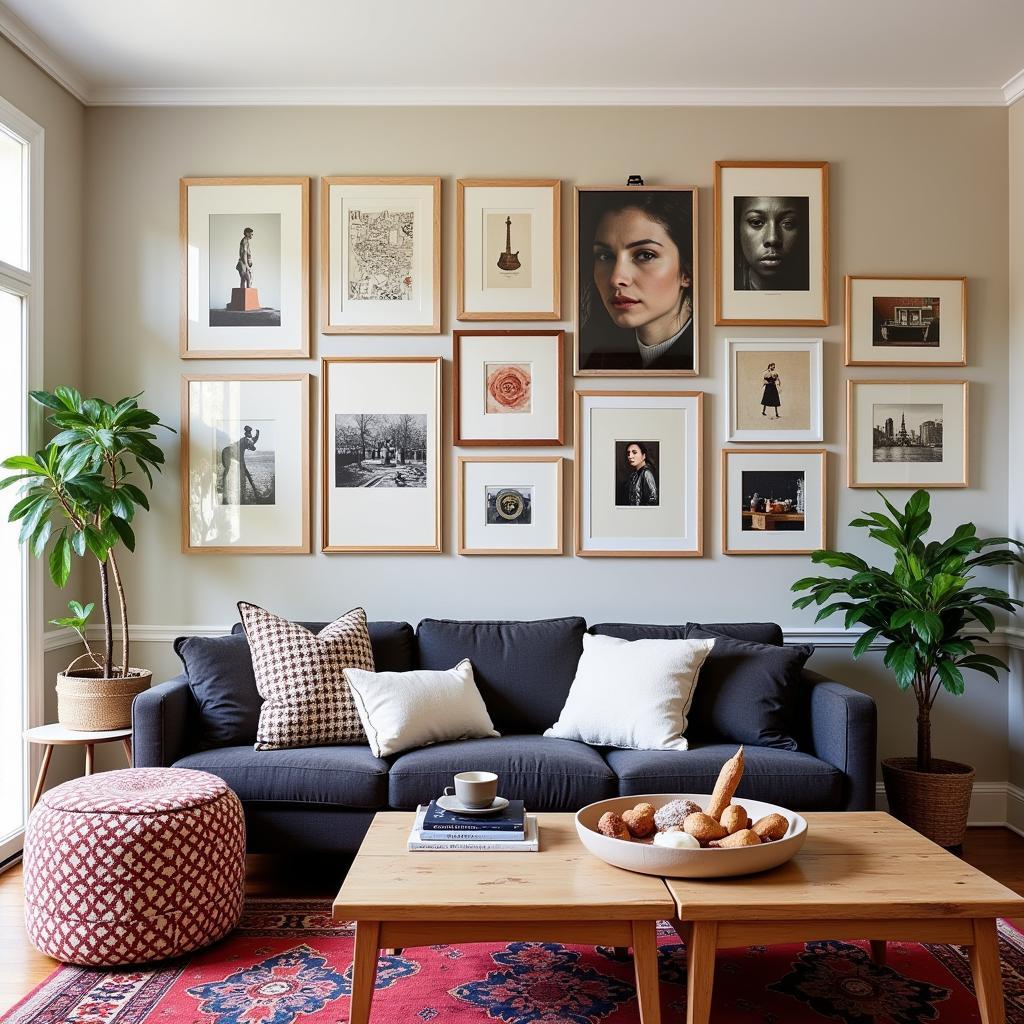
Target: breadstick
x=728 y=779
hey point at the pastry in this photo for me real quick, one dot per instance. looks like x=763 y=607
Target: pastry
x=771 y=827
x=703 y=828
x=639 y=820
x=734 y=818
x=745 y=837
x=610 y=824
x=728 y=780
x=674 y=813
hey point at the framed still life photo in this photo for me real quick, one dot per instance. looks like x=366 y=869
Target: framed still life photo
x=245 y=464
x=244 y=268
x=508 y=249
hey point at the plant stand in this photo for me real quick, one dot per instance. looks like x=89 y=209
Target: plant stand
x=57 y=736
x=934 y=803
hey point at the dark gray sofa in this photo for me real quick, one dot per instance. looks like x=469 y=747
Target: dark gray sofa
x=323 y=798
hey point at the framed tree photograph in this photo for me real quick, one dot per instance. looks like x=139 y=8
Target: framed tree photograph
x=508 y=249
x=245 y=464
x=635 y=252
x=380 y=255
x=381 y=453
x=906 y=321
x=244 y=268
x=510 y=505
x=906 y=433
x=508 y=387
x=771 y=243
x=773 y=501
x=773 y=389
x=638 y=473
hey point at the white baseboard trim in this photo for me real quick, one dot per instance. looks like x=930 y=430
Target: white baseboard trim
x=994 y=804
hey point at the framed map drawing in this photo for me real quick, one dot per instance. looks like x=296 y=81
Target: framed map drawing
x=244 y=268
x=508 y=249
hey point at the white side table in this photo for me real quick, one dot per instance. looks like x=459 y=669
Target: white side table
x=57 y=736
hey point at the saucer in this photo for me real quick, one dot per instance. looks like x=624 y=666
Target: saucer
x=451 y=803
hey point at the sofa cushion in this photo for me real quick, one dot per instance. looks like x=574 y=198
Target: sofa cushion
x=548 y=774
x=755 y=632
x=639 y=631
x=758 y=632
x=523 y=669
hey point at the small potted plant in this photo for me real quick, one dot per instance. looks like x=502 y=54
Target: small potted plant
x=76 y=498
x=932 y=617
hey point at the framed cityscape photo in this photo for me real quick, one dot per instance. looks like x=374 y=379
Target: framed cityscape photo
x=771 y=243
x=510 y=505
x=906 y=321
x=508 y=387
x=635 y=252
x=638 y=473
x=244 y=268
x=773 y=389
x=245 y=464
x=906 y=433
x=509 y=249
x=773 y=501
x=381 y=453
x=380 y=255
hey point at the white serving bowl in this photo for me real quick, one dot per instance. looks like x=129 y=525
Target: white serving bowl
x=641 y=856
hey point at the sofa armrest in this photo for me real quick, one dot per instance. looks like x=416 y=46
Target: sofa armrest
x=161 y=720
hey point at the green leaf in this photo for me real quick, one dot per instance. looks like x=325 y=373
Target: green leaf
x=42 y=536
x=124 y=532
x=901 y=618
x=839 y=560
x=25 y=463
x=96 y=542
x=46 y=399
x=854 y=615
x=78 y=543
x=80 y=610
x=902 y=659
x=928 y=626
x=139 y=496
x=121 y=506
x=918 y=503
x=864 y=641
x=69 y=398
x=803 y=602
x=60 y=560
x=952 y=678
x=983 y=615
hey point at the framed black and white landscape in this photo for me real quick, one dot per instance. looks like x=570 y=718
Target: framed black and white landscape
x=245 y=464
x=381 y=453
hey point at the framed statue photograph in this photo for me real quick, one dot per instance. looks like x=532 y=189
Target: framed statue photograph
x=380 y=255
x=508 y=249
x=635 y=252
x=771 y=243
x=638 y=473
x=906 y=321
x=244 y=268
x=508 y=387
x=381 y=453
x=510 y=505
x=245 y=464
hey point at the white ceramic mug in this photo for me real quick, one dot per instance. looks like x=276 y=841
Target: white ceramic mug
x=475 y=790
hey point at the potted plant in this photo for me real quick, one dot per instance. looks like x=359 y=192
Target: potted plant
x=76 y=498
x=931 y=616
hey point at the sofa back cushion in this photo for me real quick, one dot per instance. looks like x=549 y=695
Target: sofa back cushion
x=639 y=631
x=756 y=632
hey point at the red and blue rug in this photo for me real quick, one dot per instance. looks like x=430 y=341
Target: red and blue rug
x=288 y=962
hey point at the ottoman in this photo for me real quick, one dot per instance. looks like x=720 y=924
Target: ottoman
x=135 y=865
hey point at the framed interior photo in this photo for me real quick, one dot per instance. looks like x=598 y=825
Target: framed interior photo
x=906 y=321
x=773 y=501
x=380 y=255
x=903 y=433
x=510 y=505
x=508 y=387
x=773 y=389
x=244 y=268
x=509 y=249
x=638 y=473
x=381 y=453
x=635 y=252
x=771 y=243
x=245 y=464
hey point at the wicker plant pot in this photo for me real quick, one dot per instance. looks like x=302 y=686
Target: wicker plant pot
x=934 y=803
x=87 y=702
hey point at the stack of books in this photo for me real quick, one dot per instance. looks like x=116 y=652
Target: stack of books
x=509 y=831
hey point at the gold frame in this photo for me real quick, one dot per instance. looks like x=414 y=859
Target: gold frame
x=555 y=313
x=305 y=546
x=326 y=327
x=560 y=487
x=303 y=350
x=325 y=364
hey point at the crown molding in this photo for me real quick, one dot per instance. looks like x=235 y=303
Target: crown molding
x=30 y=44
x=1014 y=88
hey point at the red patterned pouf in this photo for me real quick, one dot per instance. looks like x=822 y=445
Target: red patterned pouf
x=131 y=866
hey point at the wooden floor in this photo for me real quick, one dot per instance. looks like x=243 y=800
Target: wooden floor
x=996 y=851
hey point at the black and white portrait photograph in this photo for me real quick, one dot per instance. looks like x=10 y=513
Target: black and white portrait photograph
x=907 y=432
x=771 y=248
x=245 y=270
x=905 y=321
x=773 y=499
x=380 y=450
x=245 y=457
x=507 y=505
x=636 y=473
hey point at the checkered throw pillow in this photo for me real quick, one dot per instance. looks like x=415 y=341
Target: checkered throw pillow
x=300 y=676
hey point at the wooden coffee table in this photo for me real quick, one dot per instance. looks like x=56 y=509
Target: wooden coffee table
x=858 y=876
x=560 y=894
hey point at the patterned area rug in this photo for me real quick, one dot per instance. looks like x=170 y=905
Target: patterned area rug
x=288 y=963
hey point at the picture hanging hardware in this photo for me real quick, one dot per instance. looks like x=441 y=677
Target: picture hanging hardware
x=634 y=179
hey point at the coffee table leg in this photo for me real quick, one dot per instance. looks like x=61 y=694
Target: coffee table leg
x=700 y=971
x=645 y=964
x=40 y=781
x=878 y=951
x=988 y=981
x=364 y=970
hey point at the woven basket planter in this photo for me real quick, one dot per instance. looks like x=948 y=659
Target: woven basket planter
x=90 y=703
x=933 y=803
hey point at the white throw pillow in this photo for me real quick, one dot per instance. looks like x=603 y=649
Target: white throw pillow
x=403 y=710
x=633 y=694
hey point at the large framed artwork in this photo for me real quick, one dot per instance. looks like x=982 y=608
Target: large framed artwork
x=244 y=268
x=906 y=321
x=906 y=433
x=771 y=243
x=245 y=464
x=638 y=472
x=381 y=453
x=508 y=249
x=380 y=255
x=636 y=262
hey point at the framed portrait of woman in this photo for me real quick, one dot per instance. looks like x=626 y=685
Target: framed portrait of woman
x=636 y=270
x=771 y=243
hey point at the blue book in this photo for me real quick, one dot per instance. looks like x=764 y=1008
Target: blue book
x=510 y=820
